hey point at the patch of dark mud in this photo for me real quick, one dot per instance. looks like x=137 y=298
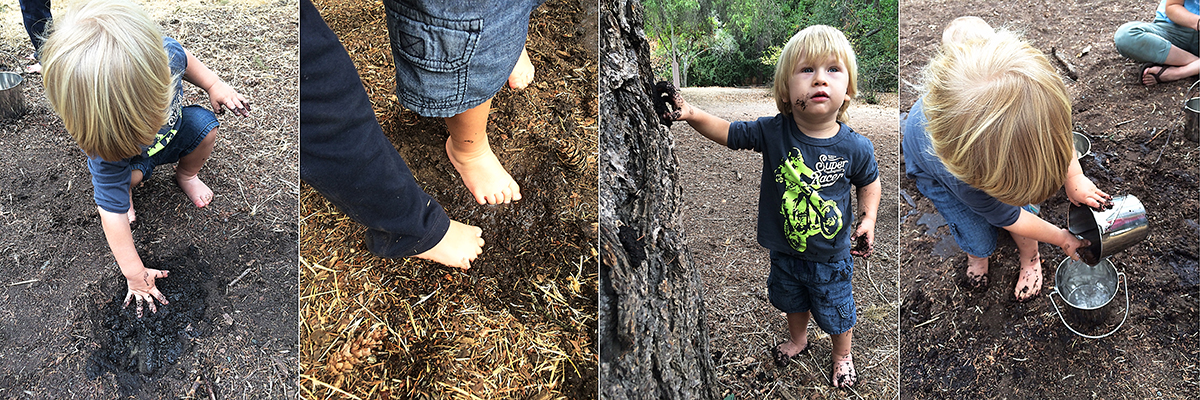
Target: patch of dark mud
x=133 y=348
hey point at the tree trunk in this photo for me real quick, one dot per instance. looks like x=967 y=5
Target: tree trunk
x=653 y=339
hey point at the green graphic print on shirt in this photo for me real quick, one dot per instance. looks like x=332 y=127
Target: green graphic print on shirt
x=805 y=213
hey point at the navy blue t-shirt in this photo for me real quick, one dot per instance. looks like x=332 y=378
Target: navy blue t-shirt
x=110 y=179
x=804 y=200
x=921 y=162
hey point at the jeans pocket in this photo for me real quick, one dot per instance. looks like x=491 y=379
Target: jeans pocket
x=432 y=43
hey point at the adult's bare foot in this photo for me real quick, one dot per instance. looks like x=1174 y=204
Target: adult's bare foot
x=843 y=371
x=1029 y=283
x=483 y=175
x=195 y=189
x=522 y=73
x=461 y=245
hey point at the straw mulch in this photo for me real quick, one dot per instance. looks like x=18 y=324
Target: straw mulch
x=522 y=323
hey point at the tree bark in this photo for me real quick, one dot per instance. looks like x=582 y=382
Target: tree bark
x=653 y=338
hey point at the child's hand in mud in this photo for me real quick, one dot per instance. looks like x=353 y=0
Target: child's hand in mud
x=864 y=239
x=1082 y=192
x=142 y=288
x=220 y=94
x=669 y=104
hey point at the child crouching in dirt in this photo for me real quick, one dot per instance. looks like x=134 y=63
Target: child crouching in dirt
x=115 y=81
x=991 y=136
x=810 y=160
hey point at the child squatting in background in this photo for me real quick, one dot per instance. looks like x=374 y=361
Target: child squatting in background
x=991 y=135
x=810 y=160
x=115 y=81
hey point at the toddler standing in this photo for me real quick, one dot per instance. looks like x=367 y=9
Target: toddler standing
x=811 y=158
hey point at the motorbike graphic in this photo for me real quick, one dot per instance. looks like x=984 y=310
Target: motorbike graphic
x=805 y=212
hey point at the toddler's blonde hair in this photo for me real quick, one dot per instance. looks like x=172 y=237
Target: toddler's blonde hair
x=106 y=74
x=815 y=42
x=999 y=117
x=966 y=29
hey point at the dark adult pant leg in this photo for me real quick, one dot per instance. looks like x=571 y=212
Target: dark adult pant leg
x=36 y=14
x=345 y=156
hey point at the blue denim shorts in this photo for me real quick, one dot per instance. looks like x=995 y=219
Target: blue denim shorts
x=796 y=286
x=454 y=55
x=971 y=231
x=195 y=122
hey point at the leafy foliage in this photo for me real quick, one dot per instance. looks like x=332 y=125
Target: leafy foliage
x=737 y=42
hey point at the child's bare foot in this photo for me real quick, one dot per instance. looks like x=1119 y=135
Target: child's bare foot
x=786 y=350
x=458 y=248
x=522 y=73
x=843 y=371
x=1029 y=283
x=195 y=189
x=977 y=269
x=36 y=68
x=483 y=175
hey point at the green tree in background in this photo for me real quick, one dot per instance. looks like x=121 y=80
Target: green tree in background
x=737 y=42
x=683 y=30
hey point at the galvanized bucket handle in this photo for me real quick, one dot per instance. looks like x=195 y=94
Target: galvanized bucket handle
x=1120 y=278
x=1190 y=90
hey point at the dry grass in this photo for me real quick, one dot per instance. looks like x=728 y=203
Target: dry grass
x=450 y=333
x=442 y=340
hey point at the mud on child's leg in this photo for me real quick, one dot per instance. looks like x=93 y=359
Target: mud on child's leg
x=843 y=364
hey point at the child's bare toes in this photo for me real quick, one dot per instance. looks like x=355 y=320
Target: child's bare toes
x=195 y=189
x=843 y=372
x=461 y=245
x=483 y=175
x=522 y=73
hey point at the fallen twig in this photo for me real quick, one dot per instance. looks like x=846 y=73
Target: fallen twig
x=235 y=280
x=1067 y=65
x=23 y=282
x=1164 y=147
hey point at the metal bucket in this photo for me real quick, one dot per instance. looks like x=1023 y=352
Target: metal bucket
x=1083 y=145
x=1191 y=112
x=1110 y=231
x=1087 y=290
x=12 y=98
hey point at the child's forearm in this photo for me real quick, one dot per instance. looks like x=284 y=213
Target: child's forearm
x=198 y=74
x=713 y=128
x=120 y=241
x=868 y=200
x=1030 y=226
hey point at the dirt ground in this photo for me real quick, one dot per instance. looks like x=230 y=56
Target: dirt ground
x=720 y=208
x=231 y=322
x=521 y=323
x=961 y=343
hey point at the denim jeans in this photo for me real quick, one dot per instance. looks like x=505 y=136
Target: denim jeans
x=36 y=14
x=452 y=56
x=796 y=285
x=345 y=156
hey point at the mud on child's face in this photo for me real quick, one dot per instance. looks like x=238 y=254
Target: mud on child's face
x=818 y=87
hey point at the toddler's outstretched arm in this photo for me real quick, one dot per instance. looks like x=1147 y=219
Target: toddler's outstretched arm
x=140 y=279
x=868 y=207
x=716 y=129
x=1033 y=227
x=219 y=92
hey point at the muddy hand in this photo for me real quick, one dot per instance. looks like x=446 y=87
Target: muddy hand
x=668 y=104
x=862 y=247
x=143 y=290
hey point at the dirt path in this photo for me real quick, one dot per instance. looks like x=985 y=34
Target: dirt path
x=983 y=344
x=719 y=212
x=62 y=332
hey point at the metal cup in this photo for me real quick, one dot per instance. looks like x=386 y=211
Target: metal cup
x=12 y=100
x=1111 y=230
x=1083 y=145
